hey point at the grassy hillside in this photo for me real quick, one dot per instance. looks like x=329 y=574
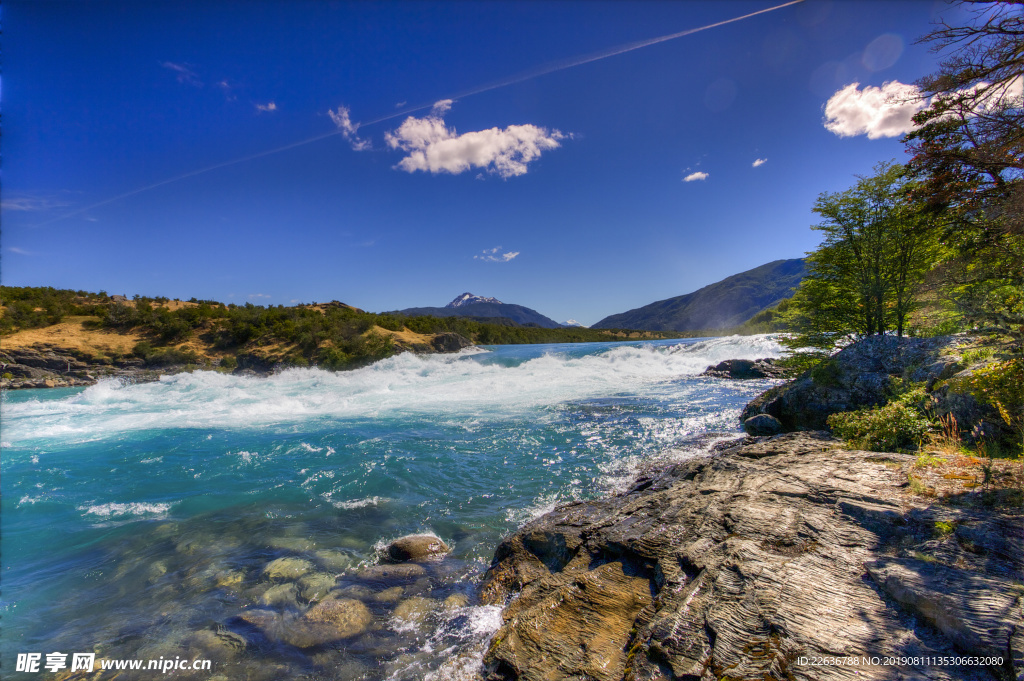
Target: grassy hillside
x=723 y=305
x=162 y=332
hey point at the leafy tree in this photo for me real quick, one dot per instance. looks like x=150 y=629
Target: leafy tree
x=876 y=250
x=969 y=153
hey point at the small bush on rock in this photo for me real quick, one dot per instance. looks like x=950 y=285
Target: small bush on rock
x=880 y=429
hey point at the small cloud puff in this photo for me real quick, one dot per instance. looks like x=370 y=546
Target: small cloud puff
x=696 y=176
x=31 y=203
x=435 y=148
x=269 y=106
x=759 y=162
x=494 y=255
x=348 y=129
x=183 y=73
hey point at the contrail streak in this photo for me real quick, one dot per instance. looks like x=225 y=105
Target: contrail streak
x=511 y=80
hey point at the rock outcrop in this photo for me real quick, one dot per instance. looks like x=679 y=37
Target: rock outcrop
x=450 y=342
x=863 y=375
x=755 y=562
x=745 y=368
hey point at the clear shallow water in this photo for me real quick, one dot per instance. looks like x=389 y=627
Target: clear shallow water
x=137 y=519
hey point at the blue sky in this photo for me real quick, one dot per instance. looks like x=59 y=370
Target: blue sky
x=561 y=188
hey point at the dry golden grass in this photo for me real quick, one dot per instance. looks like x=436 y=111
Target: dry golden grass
x=948 y=477
x=405 y=337
x=72 y=335
x=171 y=305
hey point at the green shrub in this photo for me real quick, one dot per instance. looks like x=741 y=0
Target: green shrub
x=228 y=362
x=880 y=429
x=1000 y=385
x=8 y=375
x=143 y=349
x=977 y=354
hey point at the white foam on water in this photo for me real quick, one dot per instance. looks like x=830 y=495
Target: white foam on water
x=452 y=388
x=358 y=503
x=246 y=457
x=459 y=641
x=131 y=509
x=542 y=505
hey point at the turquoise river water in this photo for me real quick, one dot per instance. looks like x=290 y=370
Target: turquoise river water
x=138 y=520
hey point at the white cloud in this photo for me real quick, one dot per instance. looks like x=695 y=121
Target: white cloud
x=258 y=295
x=183 y=73
x=696 y=176
x=348 y=128
x=19 y=251
x=228 y=91
x=269 y=106
x=494 y=255
x=441 y=107
x=888 y=111
x=759 y=162
x=435 y=148
x=31 y=203
x=885 y=111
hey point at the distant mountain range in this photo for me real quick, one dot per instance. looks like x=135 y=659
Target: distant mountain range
x=721 y=305
x=485 y=309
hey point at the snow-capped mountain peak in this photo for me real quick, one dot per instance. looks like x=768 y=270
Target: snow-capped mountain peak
x=469 y=299
x=573 y=322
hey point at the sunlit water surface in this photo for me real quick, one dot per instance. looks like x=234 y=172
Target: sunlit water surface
x=137 y=520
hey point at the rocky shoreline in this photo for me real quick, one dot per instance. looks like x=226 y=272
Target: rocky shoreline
x=781 y=556
x=756 y=561
x=53 y=366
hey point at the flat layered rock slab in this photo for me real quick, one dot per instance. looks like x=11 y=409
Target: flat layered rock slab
x=754 y=564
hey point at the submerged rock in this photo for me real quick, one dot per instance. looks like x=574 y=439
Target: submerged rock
x=287 y=568
x=334 y=560
x=405 y=572
x=416 y=609
x=219 y=645
x=327 y=622
x=280 y=595
x=738 y=565
x=315 y=587
x=392 y=595
x=416 y=548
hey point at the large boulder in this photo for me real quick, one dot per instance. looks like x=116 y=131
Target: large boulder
x=742 y=564
x=450 y=342
x=861 y=375
x=745 y=368
x=416 y=548
x=762 y=424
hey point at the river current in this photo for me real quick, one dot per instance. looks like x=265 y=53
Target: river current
x=138 y=521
